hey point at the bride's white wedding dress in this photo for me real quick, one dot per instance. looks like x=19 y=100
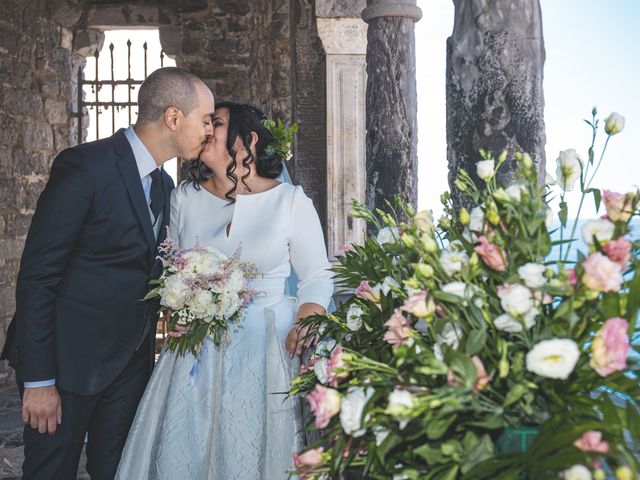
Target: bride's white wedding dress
x=223 y=416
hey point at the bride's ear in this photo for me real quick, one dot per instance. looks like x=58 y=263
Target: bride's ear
x=254 y=140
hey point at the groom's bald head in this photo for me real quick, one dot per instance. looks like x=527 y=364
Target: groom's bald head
x=164 y=88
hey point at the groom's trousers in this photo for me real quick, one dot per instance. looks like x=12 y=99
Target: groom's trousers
x=105 y=418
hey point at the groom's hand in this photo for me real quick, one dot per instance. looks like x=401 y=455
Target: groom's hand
x=42 y=408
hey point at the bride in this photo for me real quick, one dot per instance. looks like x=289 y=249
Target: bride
x=223 y=414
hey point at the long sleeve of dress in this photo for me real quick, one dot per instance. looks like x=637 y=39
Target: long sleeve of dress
x=174 y=215
x=308 y=252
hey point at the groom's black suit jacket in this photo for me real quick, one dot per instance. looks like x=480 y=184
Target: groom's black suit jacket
x=88 y=258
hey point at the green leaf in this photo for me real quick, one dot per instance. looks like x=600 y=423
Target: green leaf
x=562 y=214
x=515 y=393
x=476 y=341
x=633 y=301
x=480 y=451
x=438 y=426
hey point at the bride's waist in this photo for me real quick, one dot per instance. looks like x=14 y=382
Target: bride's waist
x=268 y=289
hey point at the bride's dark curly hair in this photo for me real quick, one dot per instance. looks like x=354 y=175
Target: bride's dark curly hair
x=243 y=119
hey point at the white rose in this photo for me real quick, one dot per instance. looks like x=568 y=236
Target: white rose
x=175 y=291
x=202 y=304
x=601 y=229
x=577 y=472
x=532 y=274
x=569 y=169
x=476 y=224
x=400 y=402
x=462 y=290
x=452 y=261
x=613 y=124
x=321 y=369
x=354 y=317
x=517 y=300
x=485 y=169
x=554 y=358
x=388 y=235
x=351 y=409
x=507 y=323
x=515 y=191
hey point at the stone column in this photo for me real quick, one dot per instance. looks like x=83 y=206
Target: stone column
x=392 y=132
x=344 y=41
x=495 y=59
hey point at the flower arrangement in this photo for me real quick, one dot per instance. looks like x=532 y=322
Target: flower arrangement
x=204 y=290
x=282 y=138
x=481 y=348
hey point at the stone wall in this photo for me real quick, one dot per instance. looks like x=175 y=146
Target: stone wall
x=36 y=92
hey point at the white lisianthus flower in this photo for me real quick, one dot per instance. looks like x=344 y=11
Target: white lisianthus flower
x=354 y=317
x=202 y=305
x=388 y=235
x=532 y=274
x=577 y=472
x=450 y=336
x=400 y=404
x=387 y=284
x=351 y=409
x=381 y=434
x=613 y=124
x=603 y=230
x=486 y=169
x=516 y=300
x=452 y=261
x=507 y=323
x=515 y=191
x=423 y=221
x=476 y=223
x=555 y=358
x=549 y=179
x=324 y=347
x=569 y=169
x=321 y=369
x=175 y=291
x=462 y=290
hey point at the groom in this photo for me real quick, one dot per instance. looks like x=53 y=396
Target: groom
x=81 y=341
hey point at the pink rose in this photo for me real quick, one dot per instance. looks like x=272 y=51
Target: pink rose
x=398 y=329
x=610 y=347
x=591 y=441
x=618 y=250
x=336 y=362
x=306 y=461
x=492 y=256
x=601 y=274
x=325 y=403
x=619 y=205
x=365 y=292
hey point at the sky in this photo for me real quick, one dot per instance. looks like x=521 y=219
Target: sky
x=592 y=59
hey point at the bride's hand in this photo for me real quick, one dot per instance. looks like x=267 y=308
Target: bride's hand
x=294 y=343
x=178 y=330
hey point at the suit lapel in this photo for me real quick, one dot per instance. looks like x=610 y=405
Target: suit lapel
x=128 y=169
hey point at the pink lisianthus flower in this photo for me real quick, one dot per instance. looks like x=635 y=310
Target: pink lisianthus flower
x=305 y=462
x=366 y=292
x=610 y=347
x=308 y=367
x=601 y=274
x=491 y=255
x=482 y=379
x=419 y=305
x=336 y=367
x=398 y=329
x=573 y=278
x=618 y=250
x=591 y=441
x=325 y=403
x=619 y=205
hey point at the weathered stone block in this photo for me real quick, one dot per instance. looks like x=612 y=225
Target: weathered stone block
x=7 y=300
x=49 y=84
x=30 y=163
x=56 y=111
x=6 y=66
x=8 y=270
x=61 y=138
x=237 y=7
x=31 y=192
x=340 y=8
x=87 y=41
x=9 y=196
x=190 y=5
x=37 y=136
x=2 y=226
x=65 y=12
x=6 y=161
x=16 y=225
x=9 y=41
x=21 y=102
x=8 y=130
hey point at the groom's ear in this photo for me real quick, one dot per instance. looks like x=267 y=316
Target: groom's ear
x=171 y=117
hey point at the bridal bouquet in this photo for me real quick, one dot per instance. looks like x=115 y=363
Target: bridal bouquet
x=204 y=290
x=487 y=347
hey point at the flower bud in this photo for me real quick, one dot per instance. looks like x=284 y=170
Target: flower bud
x=460 y=185
x=526 y=161
x=503 y=366
x=444 y=222
x=428 y=243
x=473 y=260
x=435 y=403
x=613 y=124
x=412 y=283
x=423 y=270
x=599 y=474
x=501 y=195
x=624 y=473
x=410 y=210
x=408 y=240
x=502 y=157
x=493 y=217
x=465 y=218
